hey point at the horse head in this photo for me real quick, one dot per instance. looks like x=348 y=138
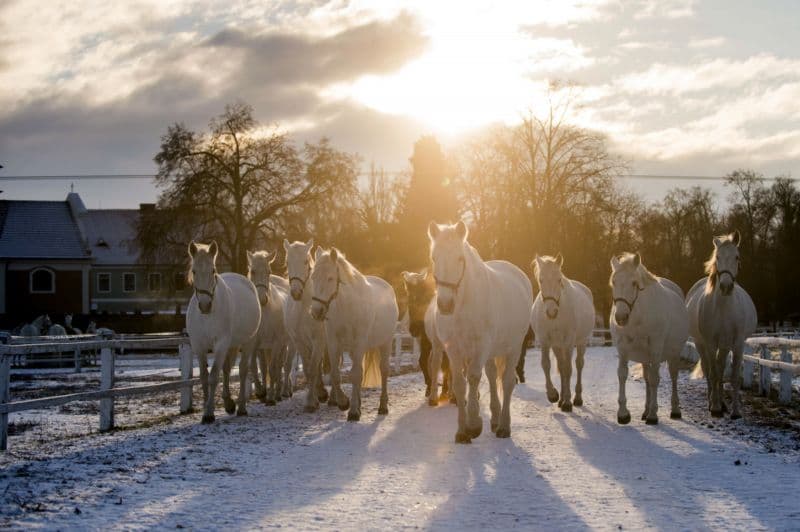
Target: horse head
x=203 y=273
x=331 y=270
x=628 y=278
x=547 y=271
x=259 y=266
x=299 y=264
x=723 y=266
x=448 y=253
x=419 y=294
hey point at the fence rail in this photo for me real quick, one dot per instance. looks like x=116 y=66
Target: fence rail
x=788 y=370
x=108 y=392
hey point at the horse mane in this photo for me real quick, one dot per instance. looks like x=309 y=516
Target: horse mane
x=710 y=266
x=350 y=273
x=543 y=258
x=647 y=276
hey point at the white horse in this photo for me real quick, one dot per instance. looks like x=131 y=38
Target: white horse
x=360 y=314
x=269 y=345
x=721 y=317
x=37 y=327
x=562 y=319
x=68 y=325
x=307 y=334
x=649 y=324
x=223 y=315
x=482 y=314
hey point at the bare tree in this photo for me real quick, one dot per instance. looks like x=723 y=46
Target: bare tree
x=232 y=183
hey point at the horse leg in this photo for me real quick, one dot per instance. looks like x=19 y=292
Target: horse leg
x=434 y=363
x=447 y=387
x=736 y=380
x=674 y=362
x=276 y=371
x=552 y=394
x=647 y=397
x=579 y=358
x=520 y=369
x=213 y=380
x=717 y=372
x=202 y=361
x=494 y=401
x=509 y=381
x=259 y=390
x=337 y=396
x=383 y=408
x=289 y=360
x=356 y=374
x=425 y=365
x=564 y=356
x=311 y=367
x=248 y=358
x=322 y=393
x=655 y=377
x=474 y=420
x=230 y=357
x=460 y=392
x=623 y=415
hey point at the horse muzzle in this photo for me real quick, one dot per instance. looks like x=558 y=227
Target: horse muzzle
x=445 y=307
x=205 y=307
x=551 y=315
x=317 y=312
x=726 y=288
x=621 y=319
x=297 y=295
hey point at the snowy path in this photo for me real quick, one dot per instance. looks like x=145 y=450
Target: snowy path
x=281 y=467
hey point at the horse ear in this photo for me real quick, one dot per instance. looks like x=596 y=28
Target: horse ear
x=614 y=263
x=310 y=243
x=736 y=237
x=192 y=248
x=334 y=254
x=424 y=273
x=213 y=248
x=560 y=259
x=318 y=253
x=717 y=242
x=461 y=230
x=637 y=259
x=433 y=230
x=285 y=245
x=271 y=256
x=406 y=276
x=249 y=257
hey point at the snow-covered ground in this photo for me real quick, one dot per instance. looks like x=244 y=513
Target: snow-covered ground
x=280 y=467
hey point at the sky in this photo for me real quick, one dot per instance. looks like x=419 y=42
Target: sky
x=680 y=87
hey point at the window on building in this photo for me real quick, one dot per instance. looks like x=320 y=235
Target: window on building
x=43 y=281
x=154 y=282
x=103 y=282
x=129 y=282
x=179 y=281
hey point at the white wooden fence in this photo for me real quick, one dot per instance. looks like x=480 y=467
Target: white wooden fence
x=107 y=392
x=763 y=385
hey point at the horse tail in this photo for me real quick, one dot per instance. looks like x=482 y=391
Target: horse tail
x=371 y=366
x=697 y=372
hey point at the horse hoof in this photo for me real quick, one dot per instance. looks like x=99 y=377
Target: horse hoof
x=428 y=391
x=474 y=432
x=566 y=406
x=261 y=394
x=322 y=395
x=344 y=406
x=623 y=420
x=716 y=413
x=521 y=379
x=230 y=406
x=353 y=416
x=651 y=421
x=644 y=416
x=675 y=415
x=383 y=410
x=332 y=401
x=552 y=397
x=270 y=402
x=241 y=412
x=503 y=433
x=578 y=401
x=462 y=437
x=278 y=398
x=309 y=409
x=433 y=402
x=736 y=415
x=494 y=427
x=207 y=418
x=453 y=400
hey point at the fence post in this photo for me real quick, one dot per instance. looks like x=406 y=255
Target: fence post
x=106 y=383
x=185 y=354
x=765 y=373
x=747 y=370
x=785 y=394
x=77 y=360
x=5 y=388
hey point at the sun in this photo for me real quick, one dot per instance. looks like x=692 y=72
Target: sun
x=477 y=70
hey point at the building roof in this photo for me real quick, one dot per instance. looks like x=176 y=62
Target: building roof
x=111 y=235
x=40 y=230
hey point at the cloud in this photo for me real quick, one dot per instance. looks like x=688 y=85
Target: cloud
x=664 y=9
x=711 y=42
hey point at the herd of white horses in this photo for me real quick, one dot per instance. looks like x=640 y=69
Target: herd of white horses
x=478 y=314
